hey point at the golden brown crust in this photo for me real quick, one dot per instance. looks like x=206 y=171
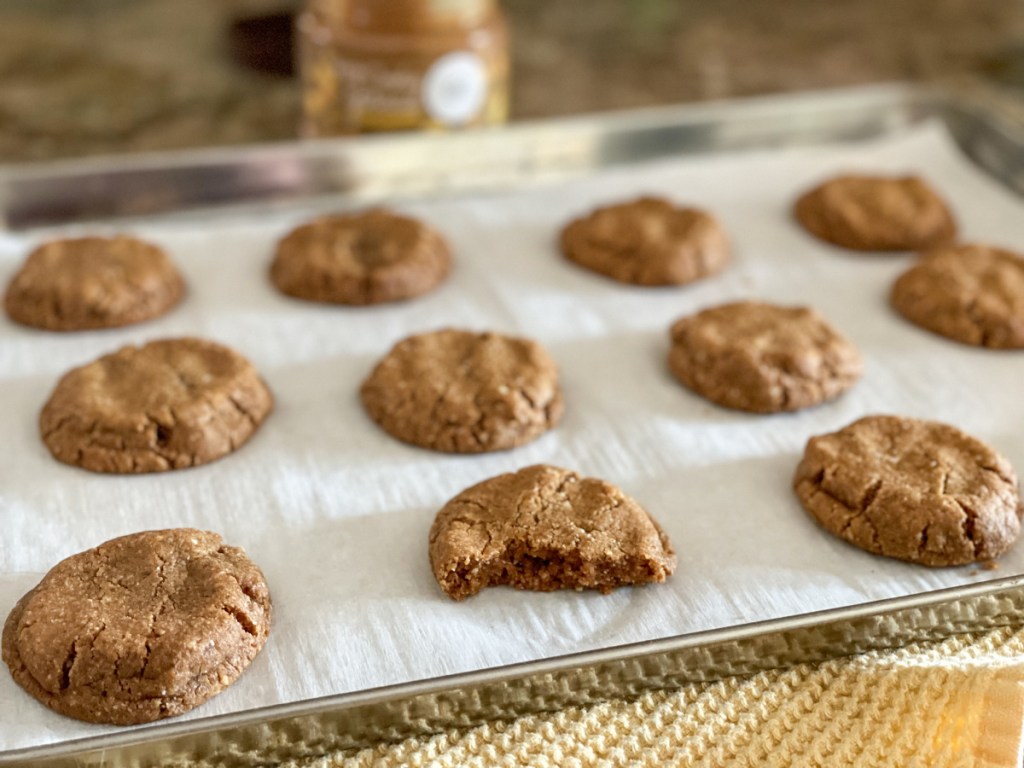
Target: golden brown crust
x=544 y=528
x=142 y=627
x=462 y=392
x=972 y=293
x=360 y=258
x=648 y=241
x=93 y=282
x=915 y=490
x=876 y=213
x=170 y=404
x=762 y=358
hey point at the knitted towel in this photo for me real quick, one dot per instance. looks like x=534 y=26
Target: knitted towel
x=955 y=703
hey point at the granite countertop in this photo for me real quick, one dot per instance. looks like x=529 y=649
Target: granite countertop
x=112 y=76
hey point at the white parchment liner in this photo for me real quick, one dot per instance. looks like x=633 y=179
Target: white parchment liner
x=337 y=513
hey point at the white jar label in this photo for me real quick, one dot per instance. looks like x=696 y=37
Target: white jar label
x=455 y=88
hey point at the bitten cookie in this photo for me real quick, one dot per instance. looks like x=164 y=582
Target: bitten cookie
x=462 y=392
x=93 y=282
x=544 y=528
x=142 y=627
x=762 y=358
x=971 y=293
x=914 y=490
x=361 y=258
x=648 y=241
x=167 y=405
x=876 y=213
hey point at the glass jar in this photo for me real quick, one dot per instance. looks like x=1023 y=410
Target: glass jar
x=391 y=65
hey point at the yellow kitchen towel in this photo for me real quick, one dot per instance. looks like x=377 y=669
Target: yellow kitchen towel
x=959 y=702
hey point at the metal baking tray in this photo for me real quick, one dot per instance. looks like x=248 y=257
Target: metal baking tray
x=987 y=126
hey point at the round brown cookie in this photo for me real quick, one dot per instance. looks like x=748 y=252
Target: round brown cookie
x=463 y=392
x=876 y=213
x=170 y=404
x=360 y=258
x=93 y=282
x=142 y=627
x=762 y=358
x=971 y=293
x=648 y=241
x=545 y=528
x=915 y=490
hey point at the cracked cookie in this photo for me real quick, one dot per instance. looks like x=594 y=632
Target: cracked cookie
x=361 y=258
x=971 y=293
x=142 y=627
x=544 y=528
x=170 y=404
x=462 y=392
x=762 y=358
x=93 y=282
x=648 y=241
x=914 y=490
x=876 y=213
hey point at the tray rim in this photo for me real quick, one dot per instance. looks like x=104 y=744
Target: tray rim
x=897 y=91
x=170 y=729
x=333 y=167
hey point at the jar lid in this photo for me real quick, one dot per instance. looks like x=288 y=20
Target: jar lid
x=413 y=16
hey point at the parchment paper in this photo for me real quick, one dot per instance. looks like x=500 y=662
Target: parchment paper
x=336 y=512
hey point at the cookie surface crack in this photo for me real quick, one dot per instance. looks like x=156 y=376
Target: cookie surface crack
x=923 y=542
x=242 y=619
x=243 y=411
x=855 y=514
x=970 y=525
x=870 y=494
x=67 y=666
x=158 y=587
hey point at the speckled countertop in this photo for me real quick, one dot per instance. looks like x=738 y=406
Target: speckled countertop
x=111 y=76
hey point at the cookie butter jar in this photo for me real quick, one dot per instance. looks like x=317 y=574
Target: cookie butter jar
x=383 y=65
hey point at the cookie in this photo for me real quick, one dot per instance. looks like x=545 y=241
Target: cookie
x=762 y=358
x=360 y=258
x=971 y=293
x=142 y=627
x=93 y=282
x=544 y=528
x=915 y=490
x=648 y=241
x=167 y=405
x=462 y=392
x=876 y=213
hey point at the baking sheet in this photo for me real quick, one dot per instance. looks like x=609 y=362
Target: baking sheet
x=337 y=513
